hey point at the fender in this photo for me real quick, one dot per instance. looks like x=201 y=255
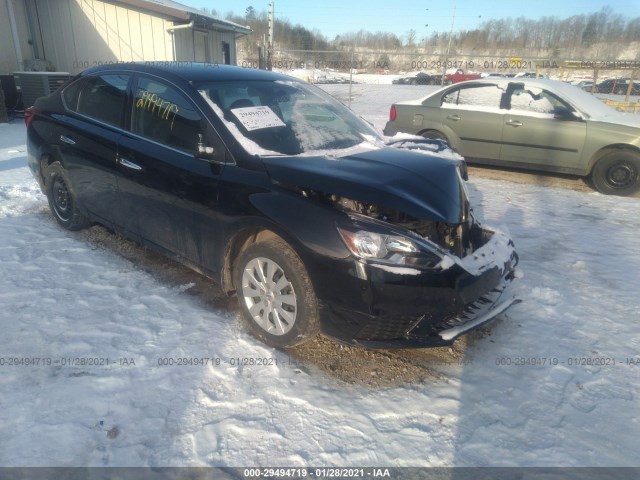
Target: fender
x=312 y=225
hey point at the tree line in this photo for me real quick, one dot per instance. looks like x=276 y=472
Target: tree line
x=600 y=33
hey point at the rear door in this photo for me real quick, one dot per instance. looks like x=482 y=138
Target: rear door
x=170 y=192
x=473 y=112
x=87 y=140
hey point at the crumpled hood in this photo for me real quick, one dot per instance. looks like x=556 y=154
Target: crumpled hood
x=425 y=186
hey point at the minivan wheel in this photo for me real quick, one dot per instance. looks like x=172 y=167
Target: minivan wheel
x=617 y=173
x=62 y=203
x=276 y=295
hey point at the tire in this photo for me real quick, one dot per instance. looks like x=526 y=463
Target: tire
x=435 y=135
x=275 y=294
x=62 y=202
x=617 y=173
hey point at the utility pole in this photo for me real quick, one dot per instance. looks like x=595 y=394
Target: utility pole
x=270 y=40
x=446 y=59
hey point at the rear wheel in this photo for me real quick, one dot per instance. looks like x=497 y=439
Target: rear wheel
x=62 y=202
x=617 y=173
x=435 y=135
x=275 y=293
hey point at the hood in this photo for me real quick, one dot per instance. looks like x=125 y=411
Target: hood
x=631 y=120
x=425 y=186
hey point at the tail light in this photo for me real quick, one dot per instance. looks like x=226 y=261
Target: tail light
x=29 y=113
x=393 y=114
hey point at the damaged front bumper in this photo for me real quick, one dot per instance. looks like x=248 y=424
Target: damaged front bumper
x=407 y=308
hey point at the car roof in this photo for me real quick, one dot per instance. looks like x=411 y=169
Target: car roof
x=546 y=83
x=191 y=71
x=581 y=100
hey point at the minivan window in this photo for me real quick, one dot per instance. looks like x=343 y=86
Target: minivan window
x=164 y=115
x=101 y=97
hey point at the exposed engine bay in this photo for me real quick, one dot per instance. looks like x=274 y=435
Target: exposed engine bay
x=459 y=239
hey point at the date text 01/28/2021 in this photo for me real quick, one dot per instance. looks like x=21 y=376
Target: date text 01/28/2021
x=329 y=472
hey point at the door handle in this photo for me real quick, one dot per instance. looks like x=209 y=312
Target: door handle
x=129 y=164
x=65 y=139
x=514 y=123
x=455 y=118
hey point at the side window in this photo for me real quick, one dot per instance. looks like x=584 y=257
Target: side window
x=485 y=97
x=537 y=101
x=102 y=97
x=163 y=114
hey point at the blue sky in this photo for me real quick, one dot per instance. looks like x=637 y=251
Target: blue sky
x=333 y=17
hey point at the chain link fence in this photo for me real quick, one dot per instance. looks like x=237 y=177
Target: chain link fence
x=603 y=76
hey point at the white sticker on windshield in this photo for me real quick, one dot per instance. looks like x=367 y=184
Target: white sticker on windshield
x=255 y=118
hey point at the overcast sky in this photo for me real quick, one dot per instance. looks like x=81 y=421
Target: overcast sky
x=333 y=17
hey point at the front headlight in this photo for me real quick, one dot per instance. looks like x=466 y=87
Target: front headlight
x=389 y=249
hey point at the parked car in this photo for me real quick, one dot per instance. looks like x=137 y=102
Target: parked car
x=495 y=75
x=530 y=75
x=531 y=124
x=614 y=86
x=460 y=76
x=420 y=78
x=583 y=85
x=270 y=186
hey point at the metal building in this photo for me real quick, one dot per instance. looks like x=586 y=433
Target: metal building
x=71 y=35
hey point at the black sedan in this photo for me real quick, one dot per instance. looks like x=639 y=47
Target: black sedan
x=279 y=192
x=614 y=86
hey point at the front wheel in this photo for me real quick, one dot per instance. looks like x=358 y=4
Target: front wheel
x=617 y=173
x=276 y=295
x=62 y=202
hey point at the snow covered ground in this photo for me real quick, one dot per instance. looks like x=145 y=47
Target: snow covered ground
x=553 y=383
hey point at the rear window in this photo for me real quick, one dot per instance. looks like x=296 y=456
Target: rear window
x=101 y=97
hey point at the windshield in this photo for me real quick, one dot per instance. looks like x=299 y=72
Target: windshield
x=586 y=102
x=286 y=117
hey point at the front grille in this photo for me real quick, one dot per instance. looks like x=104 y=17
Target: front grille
x=473 y=310
x=385 y=328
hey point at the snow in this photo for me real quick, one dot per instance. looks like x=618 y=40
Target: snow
x=398 y=270
x=538 y=388
x=418 y=144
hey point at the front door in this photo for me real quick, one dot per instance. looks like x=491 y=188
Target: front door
x=170 y=191
x=536 y=131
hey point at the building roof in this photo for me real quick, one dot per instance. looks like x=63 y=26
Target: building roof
x=188 y=14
